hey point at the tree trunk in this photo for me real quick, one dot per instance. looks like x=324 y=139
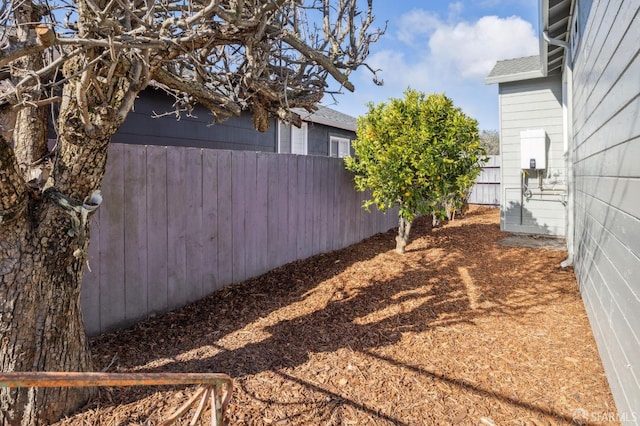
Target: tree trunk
x=402 y=239
x=43 y=249
x=40 y=316
x=42 y=255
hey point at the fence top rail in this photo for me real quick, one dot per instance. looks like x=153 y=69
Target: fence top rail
x=80 y=379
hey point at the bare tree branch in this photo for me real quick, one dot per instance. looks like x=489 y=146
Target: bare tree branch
x=17 y=50
x=268 y=56
x=218 y=104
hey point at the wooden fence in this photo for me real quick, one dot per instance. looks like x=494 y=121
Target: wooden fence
x=487 y=188
x=178 y=223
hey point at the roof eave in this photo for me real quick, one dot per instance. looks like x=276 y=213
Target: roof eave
x=329 y=122
x=529 y=75
x=543 y=17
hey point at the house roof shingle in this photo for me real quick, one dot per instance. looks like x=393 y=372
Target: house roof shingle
x=515 y=70
x=329 y=117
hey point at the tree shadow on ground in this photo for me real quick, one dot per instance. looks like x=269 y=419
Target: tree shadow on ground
x=433 y=287
x=428 y=295
x=233 y=307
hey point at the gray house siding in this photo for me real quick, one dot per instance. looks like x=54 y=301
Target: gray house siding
x=318 y=137
x=199 y=131
x=532 y=104
x=606 y=150
x=237 y=133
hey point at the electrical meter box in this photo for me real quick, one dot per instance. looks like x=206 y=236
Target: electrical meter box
x=533 y=149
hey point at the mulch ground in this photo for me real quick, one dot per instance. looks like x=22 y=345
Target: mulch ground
x=459 y=330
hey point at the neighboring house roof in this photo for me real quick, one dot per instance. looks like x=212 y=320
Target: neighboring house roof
x=515 y=70
x=328 y=117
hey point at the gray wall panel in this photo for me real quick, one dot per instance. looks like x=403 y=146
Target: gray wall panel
x=532 y=104
x=606 y=133
x=198 y=131
x=318 y=138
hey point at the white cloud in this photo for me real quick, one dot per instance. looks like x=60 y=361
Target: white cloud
x=471 y=49
x=451 y=55
x=437 y=51
x=416 y=24
x=455 y=9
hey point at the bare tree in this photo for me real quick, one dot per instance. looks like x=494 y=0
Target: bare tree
x=80 y=65
x=490 y=141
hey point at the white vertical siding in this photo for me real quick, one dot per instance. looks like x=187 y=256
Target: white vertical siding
x=606 y=128
x=532 y=104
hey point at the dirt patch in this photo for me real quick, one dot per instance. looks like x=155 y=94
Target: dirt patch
x=459 y=330
x=534 y=241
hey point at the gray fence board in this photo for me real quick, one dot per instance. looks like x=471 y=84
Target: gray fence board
x=194 y=244
x=135 y=232
x=250 y=222
x=262 y=200
x=112 y=268
x=281 y=185
x=307 y=209
x=331 y=190
x=273 y=213
x=177 y=224
x=486 y=191
x=301 y=208
x=225 y=218
x=315 y=193
x=209 y=221
x=238 y=185
x=292 y=203
x=325 y=202
x=344 y=207
x=157 y=223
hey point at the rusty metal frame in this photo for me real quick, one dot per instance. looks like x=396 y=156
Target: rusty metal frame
x=212 y=387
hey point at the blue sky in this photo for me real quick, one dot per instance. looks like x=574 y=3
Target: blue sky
x=440 y=46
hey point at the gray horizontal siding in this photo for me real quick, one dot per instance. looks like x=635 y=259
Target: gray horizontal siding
x=525 y=105
x=607 y=166
x=198 y=130
x=318 y=137
x=618 y=161
x=179 y=223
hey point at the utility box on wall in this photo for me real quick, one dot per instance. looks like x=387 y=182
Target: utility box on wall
x=533 y=149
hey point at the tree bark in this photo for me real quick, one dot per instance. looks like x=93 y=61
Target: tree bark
x=30 y=135
x=43 y=250
x=402 y=239
x=40 y=317
x=42 y=256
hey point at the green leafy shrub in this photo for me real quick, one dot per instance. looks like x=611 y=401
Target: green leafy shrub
x=420 y=153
